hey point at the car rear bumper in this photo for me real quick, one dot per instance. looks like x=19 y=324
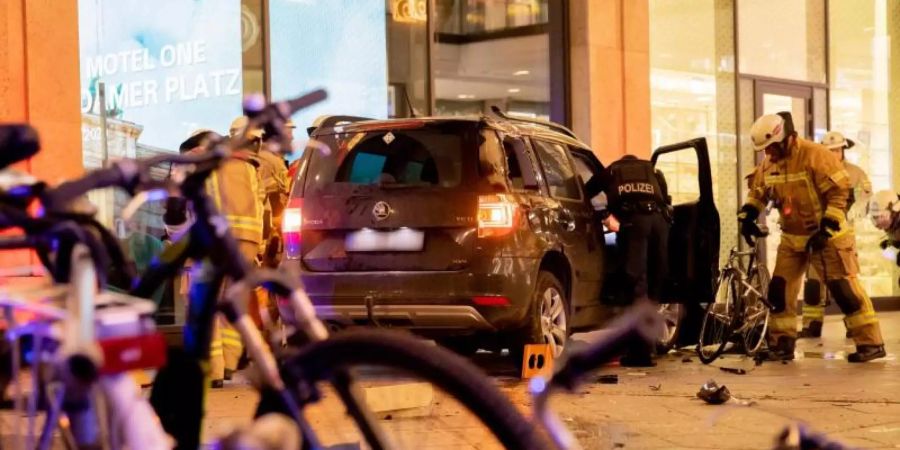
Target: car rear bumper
x=437 y=317
x=424 y=300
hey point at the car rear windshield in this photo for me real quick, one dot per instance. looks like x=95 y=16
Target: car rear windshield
x=430 y=156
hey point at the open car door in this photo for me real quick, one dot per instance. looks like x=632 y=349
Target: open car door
x=694 y=236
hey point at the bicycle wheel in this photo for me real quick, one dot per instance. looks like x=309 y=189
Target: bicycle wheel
x=756 y=313
x=379 y=359
x=718 y=320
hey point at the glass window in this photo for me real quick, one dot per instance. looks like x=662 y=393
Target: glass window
x=784 y=40
x=398 y=158
x=859 y=73
x=558 y=170
x=492 y=53
x=684 y=90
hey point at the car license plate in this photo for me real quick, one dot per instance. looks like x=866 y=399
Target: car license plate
x=402 y=240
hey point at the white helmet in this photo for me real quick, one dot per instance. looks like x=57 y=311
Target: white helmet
x=767 y=130
x=834 y=140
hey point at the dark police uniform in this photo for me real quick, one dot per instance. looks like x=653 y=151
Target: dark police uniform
x=637 y=196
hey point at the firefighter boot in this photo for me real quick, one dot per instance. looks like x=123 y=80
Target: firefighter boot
x=783 y=350
x=865 y=353
x=813 y=330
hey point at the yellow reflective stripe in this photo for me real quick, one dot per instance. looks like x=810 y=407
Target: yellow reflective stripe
x=813 y=312
x=243 y=220
x=783 y=323
x=839 y=175
x=213 y=185
x=232 y=343
x=835 y=213
x=228 y=332
x=756 y=204
x=786 y=178
x=860 y=319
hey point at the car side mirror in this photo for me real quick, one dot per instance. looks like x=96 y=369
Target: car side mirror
x=516 y=147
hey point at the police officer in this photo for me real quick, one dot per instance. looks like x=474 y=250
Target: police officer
x=637 y=198
x=814 y=293
x=810 y=188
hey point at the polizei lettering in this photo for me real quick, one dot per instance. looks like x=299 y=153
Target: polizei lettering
x=628 y=188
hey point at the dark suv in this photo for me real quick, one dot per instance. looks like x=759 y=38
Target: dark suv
x=474 y=231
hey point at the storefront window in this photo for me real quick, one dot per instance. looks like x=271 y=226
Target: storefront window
x=858 y=54
x=492 y=53
x=783 y=39
x=683 y=93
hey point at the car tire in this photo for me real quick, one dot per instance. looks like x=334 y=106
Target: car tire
x=672 y=314
x=548 y=317
x=461 y=345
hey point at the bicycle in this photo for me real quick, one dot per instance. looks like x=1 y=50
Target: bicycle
x=83 y=343
x=740 y=311
x=290 y=381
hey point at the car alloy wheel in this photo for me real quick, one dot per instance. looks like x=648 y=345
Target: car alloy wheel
x=672 y=314
x=554 y=326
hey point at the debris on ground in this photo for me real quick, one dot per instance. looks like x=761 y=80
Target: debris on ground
x=687 y=359
x=389 y=417
x=637 y=374
x=734 y=370
x=713 y=394
x=608 y=379
x=655 y=387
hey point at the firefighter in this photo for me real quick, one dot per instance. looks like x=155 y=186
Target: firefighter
x=810 y=188
x=638 y=205
x=815 y=296
x=235 y=190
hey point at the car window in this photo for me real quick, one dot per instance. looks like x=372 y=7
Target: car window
x=582 y=168
x=429 y=156
x=491 y=164
x=558 y=170
x=515 y=175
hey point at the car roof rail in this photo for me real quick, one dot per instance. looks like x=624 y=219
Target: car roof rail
x=555 y=126
x=330 y=121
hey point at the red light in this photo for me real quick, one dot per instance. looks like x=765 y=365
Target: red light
x=291 y=227
x=496 y=215
x=491 y=301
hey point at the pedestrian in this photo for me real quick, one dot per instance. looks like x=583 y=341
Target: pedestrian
x=810 y=188
x=815 y=296
x=638 y=208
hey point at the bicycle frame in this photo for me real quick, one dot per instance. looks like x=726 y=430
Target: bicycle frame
x=217 y=252
x=78 y=387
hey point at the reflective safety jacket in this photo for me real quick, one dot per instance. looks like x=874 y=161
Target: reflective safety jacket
x=235 y=189
x=806 y=185
x=273 y=174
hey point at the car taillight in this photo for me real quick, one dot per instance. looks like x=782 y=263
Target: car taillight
x=496 y=215
x=291 y=226
x=490 y=300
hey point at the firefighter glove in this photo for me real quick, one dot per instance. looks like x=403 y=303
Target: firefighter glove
x=826 y=231
x=749 y=228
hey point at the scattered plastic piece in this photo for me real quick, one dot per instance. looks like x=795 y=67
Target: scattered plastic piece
x=734 y=370
x=655 y=388
x=608 y=379
x=687 y=359
x=714 y=394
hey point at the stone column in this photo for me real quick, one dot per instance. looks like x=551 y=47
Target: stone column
x=39 y=84
x=610 y=76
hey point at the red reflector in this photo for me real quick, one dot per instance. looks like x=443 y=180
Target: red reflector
x=491 y=301
x=124 y=354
